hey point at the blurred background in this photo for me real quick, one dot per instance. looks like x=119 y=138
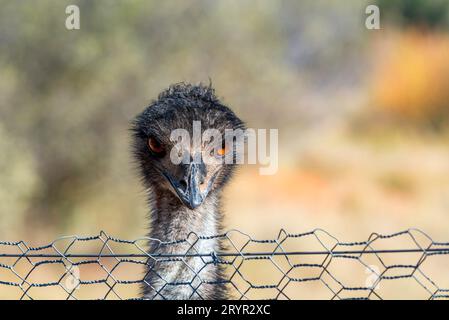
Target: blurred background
x=362 y=114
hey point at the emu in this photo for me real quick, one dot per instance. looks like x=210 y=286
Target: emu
x=185 y=197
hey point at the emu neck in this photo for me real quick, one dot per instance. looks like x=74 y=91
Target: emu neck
x=171 y=221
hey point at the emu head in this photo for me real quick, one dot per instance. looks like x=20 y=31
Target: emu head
x=181 y=146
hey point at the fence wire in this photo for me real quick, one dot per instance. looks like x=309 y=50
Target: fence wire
x=311 y=265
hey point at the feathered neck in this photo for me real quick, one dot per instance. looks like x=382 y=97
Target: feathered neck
x=171 y=221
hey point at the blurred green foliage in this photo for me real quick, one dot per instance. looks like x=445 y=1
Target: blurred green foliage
x=433 y=14
x=66 y=97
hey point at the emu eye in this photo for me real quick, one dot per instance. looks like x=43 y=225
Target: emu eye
x=155 y=146
x=222 y=151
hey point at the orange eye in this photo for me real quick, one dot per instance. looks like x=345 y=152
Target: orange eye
x=221 y=152
x=155 y=146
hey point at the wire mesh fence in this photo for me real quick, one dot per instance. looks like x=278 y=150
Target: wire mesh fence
x=311 y=265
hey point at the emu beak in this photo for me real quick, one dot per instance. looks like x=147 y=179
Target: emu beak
x=192 y=189
x=195 y=179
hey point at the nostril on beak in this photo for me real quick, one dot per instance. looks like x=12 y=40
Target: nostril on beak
x=183 y=184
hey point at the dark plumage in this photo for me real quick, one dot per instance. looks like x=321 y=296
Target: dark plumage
x=184 y=198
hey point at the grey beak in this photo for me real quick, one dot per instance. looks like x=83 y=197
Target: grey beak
x=195 y=179
x=188 y=189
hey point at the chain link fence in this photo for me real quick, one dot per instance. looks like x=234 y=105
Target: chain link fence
x=311 y=265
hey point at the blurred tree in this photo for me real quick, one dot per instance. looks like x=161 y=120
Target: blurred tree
x=420 y=13
x=66 y=97
x=411 y=79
